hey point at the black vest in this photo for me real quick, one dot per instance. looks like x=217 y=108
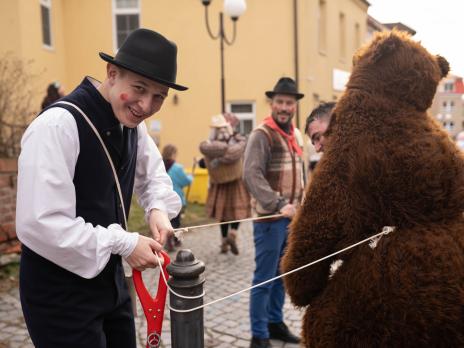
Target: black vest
x=97 y=200
x=96 y=193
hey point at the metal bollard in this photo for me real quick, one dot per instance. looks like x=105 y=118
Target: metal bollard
x=186 y=279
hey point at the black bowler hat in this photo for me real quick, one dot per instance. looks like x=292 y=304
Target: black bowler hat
x=285 y=85
x=149 y=54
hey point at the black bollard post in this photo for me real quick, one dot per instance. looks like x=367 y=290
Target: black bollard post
x=186 y=279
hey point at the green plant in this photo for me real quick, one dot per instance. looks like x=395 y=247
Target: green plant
x=9 y=276
x=137 y=219
x=194 y=214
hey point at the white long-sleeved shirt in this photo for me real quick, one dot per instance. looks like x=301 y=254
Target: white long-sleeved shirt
x=46 y=220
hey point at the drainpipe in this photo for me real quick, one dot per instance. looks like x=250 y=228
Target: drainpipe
x=295 y=46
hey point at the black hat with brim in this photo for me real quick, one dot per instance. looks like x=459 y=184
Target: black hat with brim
x=286 y=86
x=148 y=53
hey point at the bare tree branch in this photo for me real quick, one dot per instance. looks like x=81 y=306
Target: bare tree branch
x=15 y=103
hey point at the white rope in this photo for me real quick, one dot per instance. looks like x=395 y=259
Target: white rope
x=386 y=230
x=175 y=293
x=204 y=226
x=178 y=232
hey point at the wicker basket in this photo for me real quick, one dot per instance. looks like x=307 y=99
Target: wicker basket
x=224 y=173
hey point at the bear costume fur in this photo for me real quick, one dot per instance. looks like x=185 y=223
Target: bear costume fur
x=386 y=163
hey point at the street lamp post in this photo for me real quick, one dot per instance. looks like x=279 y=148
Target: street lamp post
x=234 y=9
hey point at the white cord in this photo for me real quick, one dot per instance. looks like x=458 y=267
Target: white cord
x=178 y=232
x=386 y=230
x=175 y=293
x=185 y=229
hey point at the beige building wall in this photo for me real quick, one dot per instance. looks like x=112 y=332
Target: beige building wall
x=262 y=53
x=24 y=39
x=323 y=66
x=87 y=27
x=9 y=24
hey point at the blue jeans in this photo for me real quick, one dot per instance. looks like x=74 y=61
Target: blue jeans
x=267 y=301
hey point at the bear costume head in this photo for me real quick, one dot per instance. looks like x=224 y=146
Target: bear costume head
x=388 y=60
x=386 y=163
x=390 y=142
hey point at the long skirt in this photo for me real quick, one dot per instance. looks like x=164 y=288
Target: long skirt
x=228 y=201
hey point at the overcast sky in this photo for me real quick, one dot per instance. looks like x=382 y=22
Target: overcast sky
x=439 y=25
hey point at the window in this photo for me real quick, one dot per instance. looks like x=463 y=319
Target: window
x=357 y=36
x=126 y=19
x=342 y=31
x=316 y=100
x=322 y=26
x=448 y=87
x=245 y=111
x=449 y=126
x=45 y=10
x=448 y=107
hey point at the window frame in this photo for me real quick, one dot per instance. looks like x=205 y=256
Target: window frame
x=122 y=11
x=448 y=86
x=48 y=5
x=357 y=36
x=342 y=36
x=322 y=26
x=244 y=116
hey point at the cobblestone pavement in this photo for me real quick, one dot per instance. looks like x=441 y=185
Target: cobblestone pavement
x=226 y=323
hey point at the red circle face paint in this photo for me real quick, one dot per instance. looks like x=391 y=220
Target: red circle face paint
x=123 y=96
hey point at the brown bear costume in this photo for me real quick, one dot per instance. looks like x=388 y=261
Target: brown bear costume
x=387 y=163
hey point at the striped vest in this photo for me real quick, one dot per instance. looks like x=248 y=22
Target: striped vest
x=284 y=171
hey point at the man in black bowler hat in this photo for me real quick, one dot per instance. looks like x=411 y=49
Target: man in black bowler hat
x=70 y=216
x=272 y=171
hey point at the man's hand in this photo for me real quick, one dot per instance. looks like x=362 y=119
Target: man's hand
x=143 y=255
x=288 y=210
x=160 y=226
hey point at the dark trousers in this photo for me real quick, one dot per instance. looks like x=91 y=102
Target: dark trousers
x=225 y=228
x=175 y=222
x=62 y=309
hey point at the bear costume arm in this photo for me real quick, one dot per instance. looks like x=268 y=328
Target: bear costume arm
x=333 y=215
x=314 y=233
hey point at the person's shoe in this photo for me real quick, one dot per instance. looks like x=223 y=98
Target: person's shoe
x=280 y=331
x=232 y=240
x=260 y=343
x=224 y=246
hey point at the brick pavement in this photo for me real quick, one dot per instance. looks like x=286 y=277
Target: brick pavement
x=226 y=323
